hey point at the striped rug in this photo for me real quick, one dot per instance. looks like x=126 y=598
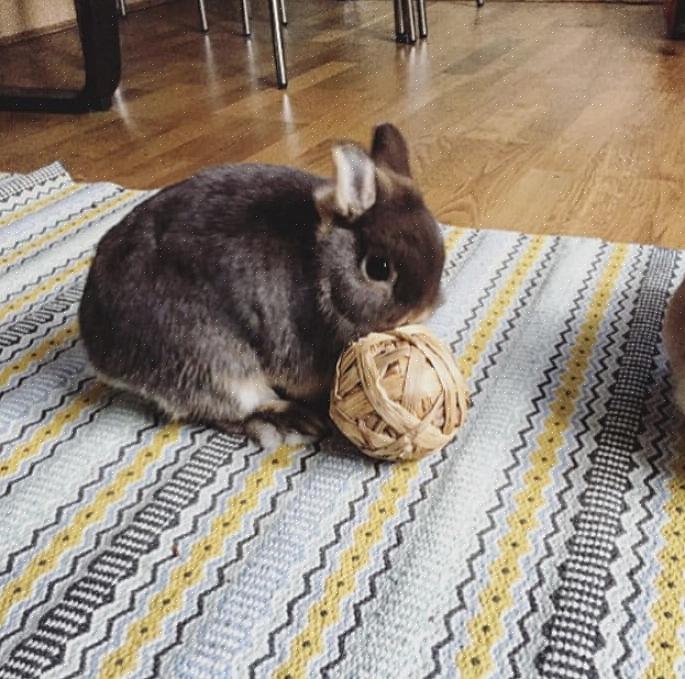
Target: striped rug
x=547 y=540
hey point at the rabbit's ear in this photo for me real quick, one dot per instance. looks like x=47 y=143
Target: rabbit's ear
x=389 y=149
x=353 y=190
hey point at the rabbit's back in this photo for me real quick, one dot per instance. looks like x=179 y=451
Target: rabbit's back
x=212 y=276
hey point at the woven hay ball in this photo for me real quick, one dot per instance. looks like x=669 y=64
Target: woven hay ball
x=398 y=395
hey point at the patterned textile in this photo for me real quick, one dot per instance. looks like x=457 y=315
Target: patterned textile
x=547 y=540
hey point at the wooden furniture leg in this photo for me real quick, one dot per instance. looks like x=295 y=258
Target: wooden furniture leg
x=99 y=33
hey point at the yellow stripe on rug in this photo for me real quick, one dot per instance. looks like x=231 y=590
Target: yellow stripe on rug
x=53 y=234
x=326 y=611
x=485 y=628
x=499 y=305
x=45 y=287
x=20 y=588
x=668 y=619
x=453 y=236
x=309 y=643
x=39 y=204
x=51 y=430
x=124 y=659
x=33 y=354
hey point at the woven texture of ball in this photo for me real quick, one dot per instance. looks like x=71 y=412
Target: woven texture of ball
x=398 y=395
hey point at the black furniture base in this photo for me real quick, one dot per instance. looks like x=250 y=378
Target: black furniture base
x=99 y=34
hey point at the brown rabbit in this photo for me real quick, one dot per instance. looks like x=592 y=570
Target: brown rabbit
x=674 y=341
x=228 y=297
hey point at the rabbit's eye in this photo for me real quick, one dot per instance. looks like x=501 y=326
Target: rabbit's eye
x=376 y=268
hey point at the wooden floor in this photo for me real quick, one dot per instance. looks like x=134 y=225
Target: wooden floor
x=539 y=117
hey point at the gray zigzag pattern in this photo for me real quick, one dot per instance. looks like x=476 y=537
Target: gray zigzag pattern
x=221 y=571
x=70 y=617
x=600 y=379
x=473 y=238
x=27 y=325
x=580 y=602
x=31 y=283
x=22 y=183
x=400 y=537
x=352 y=514
x=51 y=226
x=26 y=469
x=535 y=414
x=38 y=191
x=658 y=423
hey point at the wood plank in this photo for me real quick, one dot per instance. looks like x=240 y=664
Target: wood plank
x=539 y=117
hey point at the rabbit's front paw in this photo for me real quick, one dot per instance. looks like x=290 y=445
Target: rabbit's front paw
x=285 y=423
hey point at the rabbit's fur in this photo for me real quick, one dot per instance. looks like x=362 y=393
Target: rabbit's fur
x=228 y=297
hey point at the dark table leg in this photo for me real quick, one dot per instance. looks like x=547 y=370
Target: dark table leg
x=405 y=20
x=99 y=33
x=423 y=18
x=409 y=21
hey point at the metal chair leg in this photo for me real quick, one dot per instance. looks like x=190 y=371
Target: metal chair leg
x=423 y=18
x=277 y=38
x=123 y=9
x=204 y=26
x=409 y=20
x=480 y=3
x=245 y=12
x=399 y=21
x=281 y=9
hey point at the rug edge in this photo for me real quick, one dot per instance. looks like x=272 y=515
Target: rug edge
x=21 y=182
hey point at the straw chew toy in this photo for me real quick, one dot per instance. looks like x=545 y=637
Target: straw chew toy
x=398 y=395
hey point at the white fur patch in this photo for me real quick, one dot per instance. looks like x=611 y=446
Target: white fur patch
x=250 y=394
x=270 y=437
x=267 y=435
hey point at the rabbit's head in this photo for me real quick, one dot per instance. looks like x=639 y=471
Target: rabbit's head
x=380 y=251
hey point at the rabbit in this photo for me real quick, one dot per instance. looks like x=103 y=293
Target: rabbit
x=674 y=342
x=227 y=298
